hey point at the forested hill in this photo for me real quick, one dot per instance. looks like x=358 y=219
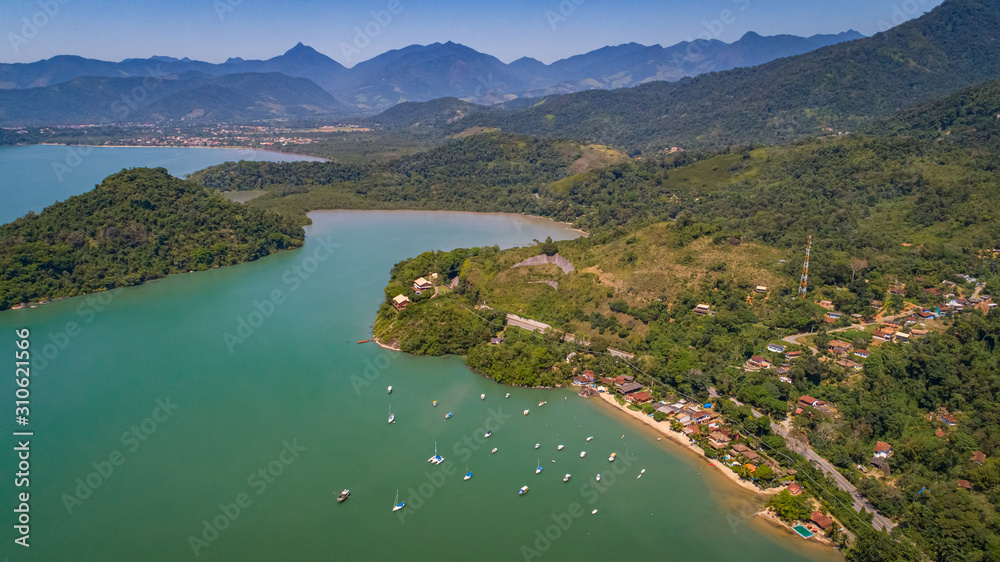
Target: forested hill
x=840 y=87
x=969 y=118
x=137 y=225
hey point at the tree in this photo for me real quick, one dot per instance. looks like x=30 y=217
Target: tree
x=856 y=265
x=549 y=247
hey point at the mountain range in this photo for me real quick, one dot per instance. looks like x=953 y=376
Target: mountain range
x=422 y=72
x=832 y=90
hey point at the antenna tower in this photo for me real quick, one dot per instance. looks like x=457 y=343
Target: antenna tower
x=805 y=269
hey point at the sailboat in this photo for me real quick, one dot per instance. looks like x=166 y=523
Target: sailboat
x=436 y=459
x=583 y=454
x=392 y=416
x=390 y=389
x=482 y=397
x=468 y=473
x=566 y=478
x=589 y=438
x=539 y=469
x=488 y=433
x=493 y=451
x=397 y=505
x=560 y=447
x=537 y=445
x=542 y=403
x=508 y=395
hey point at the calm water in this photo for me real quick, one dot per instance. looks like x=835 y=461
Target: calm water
x=263 y=428
x=32 y=177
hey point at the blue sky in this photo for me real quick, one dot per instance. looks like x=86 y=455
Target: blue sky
x=214 y=30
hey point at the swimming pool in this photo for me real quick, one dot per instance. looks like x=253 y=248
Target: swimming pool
x=802 y=531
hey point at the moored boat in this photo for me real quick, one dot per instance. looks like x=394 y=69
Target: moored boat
x=612 y=457
x=397 y=505
x=522 y=491
x=539 y=469
x=343 y=495
x=526 y=412
x=435 y=403
x=566 y=478
x=447 y=416
x=493 y=451
x=589 y=438
x=482 y=397
x=560 y=447
x=488 y=433
x=583 y=454
x=389 y=389
x=537 y=445
x=598 y=476
x=508 y=395
x=541 y=403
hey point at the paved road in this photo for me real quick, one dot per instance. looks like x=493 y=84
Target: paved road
x=527 y=323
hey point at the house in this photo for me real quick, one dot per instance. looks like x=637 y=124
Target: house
x=926 y=314
x=934 y=292
x=883 y=449
x=761 y=289
x=785 y=380
x=776 y=348
x=608 y=382
x=751 y=456
x=667 y=409
x=757 y=362
x=839 y=347
x=902 y=338
x=862 y=353
x=741 y=448
x=897 y=289
x=689 y=431
x=881 y=335
x=422 y=284
x=621 y=354
x=948 y=419
x=496 y=341
x=622 y=379
x=877 y=304
x=811 y=402
x=848 y=364
x=782 y=370
x=822 y=521
x=400 y=302
x=583 y=380
x=793 y=355
x=965 y=484
x=826 y=304
x=939 y=433
x=795 y=488
x=978 y=457
x=701 y=416
x=702 y=309
x=834 y=315
x=630 y=387
x=641 y=397
x=717 y=440
x=882 y=464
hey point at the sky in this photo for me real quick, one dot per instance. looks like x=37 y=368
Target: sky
x=350 y=32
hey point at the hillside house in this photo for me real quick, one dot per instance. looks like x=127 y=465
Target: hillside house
x=761 y=289
x=881 y=464
x=862 y=353
x=422 y=284
x=978 y=457
x=400 y=302
x=702 y=309
x=822 y=521
x=949 y=419
x=839 y=347
x=806 y=400
x=883 y=449
x=756 y=363
x=776 y=348
x=630 y=387
x=793 y=355
x=826 y=304
x=795 y=488
x=964 y=484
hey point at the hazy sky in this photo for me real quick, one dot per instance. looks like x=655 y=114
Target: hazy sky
x=214 y=30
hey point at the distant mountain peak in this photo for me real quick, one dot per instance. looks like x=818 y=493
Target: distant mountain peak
x=300 y=49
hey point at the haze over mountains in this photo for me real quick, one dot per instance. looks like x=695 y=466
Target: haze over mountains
x=415 y=73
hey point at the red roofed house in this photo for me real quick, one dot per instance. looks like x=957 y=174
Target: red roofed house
x=811 y=402
x=400 y=302
x=840 y=347
x=641 y=397
x=965 y=484
x=978 y=457
x=824 y=522
x=883 y=449
x=795 y=488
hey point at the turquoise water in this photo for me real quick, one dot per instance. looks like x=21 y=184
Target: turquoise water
x=32 y=177
x=216 y=415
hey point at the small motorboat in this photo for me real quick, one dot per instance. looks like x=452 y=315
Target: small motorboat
x=343 y=495
x=566 y=478
x=542 y=403
x=598 y=476
x=390 y=389
x=537 y=445
x=447 y=416
x=522 y=491
x=526 y=412
x=435 y=403
x=583 y=454
x=508 y=395
x=560 y=447
x=482 y=397
x=493 y=451
x=612 y=457
x=589 y=438
x=593 y=512
x=488 y=433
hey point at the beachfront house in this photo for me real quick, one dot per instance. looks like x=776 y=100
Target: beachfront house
x=630 y=387
x=822 y=521
x=795 y=488
x=638 y=398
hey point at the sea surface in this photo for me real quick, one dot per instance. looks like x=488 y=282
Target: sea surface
x=216 y=416
x=33 y=177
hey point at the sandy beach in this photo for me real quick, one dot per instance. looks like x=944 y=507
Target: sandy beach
x=682 y=440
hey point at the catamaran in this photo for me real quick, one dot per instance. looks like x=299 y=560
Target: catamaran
x=436 y=459
x=397 y=505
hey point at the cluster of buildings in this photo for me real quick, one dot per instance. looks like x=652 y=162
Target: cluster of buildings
x=420 y=285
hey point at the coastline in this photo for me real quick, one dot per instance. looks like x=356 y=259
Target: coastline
x=309 y=156
x=519 y=216
x=681 y=440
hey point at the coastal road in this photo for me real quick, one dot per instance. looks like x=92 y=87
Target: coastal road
x=879 y=522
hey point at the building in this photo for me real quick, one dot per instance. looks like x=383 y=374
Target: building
x=761 y=289
x=641 y=397
x=400 y=302
x=621 y=354
x=882 y=464
x=496 y=341
x=422 y=284
x=757 y=362
x=840 y=347
x=949 y=419
x=776 y=348
x=702 y=309
x=811 y=402
x=630 y=387
x=965 y=484
x=978 y=457
x=863 y=353
x=822 y=521
x=826 y=304
x=883 y=449
x=850 y=365
x=795 y=488
x=881 y=335
x=793 y=355
x=902 y=338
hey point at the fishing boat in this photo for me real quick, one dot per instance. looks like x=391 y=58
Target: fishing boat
x=447 y=416
x=392 y=416
x=598 y=476
x=583 y=454
x=537 y=445
x=526 y=412
x=482 y=397
x=390 y=389
x=539 y=469
x=436 y=459
x=522 y=491
x=493 y=451
x=396 y=504
x=589 y=438
x=560 y=447
x=566 y=478
x=488 y=433
x=343 y=495
x=612 y=457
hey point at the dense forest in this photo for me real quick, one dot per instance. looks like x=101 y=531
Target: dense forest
x=137 y=225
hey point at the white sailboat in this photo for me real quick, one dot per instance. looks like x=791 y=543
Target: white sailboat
x=396 y=504
x=560 y=447
x=493 y=451
x=482 y=397
x=583 y=454
x=392 y=416
x=390 y=389
x=468 y=473
x=436 y=459
x=539 y=469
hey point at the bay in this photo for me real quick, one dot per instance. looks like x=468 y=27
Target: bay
x=33 y=177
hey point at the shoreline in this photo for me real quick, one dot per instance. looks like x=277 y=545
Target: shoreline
x=309 y=156
x=522 y=216
x=680 y=439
